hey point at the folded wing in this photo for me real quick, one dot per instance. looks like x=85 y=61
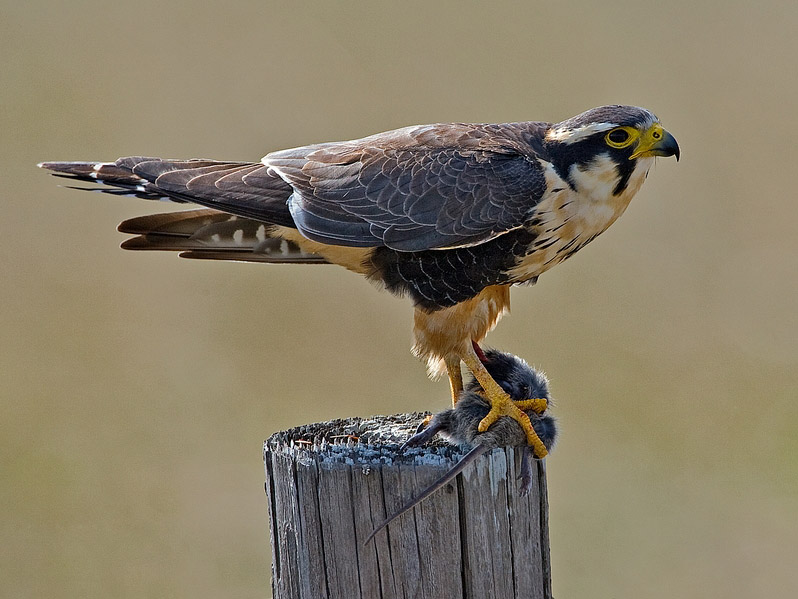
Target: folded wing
x=418 y=188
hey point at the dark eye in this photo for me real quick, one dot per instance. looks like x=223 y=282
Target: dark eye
x=618 y=136
x=621 y=137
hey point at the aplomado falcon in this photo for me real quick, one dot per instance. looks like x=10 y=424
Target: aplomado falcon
x=450 y=215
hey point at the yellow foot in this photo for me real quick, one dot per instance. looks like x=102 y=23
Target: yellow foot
x=537 y=405
x=502 y=405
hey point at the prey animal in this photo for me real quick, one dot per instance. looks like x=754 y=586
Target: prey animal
x=451 y=215
x=460 y=424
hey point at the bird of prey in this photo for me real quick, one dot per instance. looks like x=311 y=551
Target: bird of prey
x=450 y=215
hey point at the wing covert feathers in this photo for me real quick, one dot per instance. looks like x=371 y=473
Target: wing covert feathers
x=417 y=188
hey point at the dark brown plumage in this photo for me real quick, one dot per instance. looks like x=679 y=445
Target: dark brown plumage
x=448 y=214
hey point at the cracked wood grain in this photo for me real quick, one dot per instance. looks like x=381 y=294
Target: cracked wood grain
x=330 y=484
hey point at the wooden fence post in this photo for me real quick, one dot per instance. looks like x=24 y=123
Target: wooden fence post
x=330 y=484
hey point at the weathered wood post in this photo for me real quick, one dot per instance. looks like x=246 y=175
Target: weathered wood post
x=330 y=484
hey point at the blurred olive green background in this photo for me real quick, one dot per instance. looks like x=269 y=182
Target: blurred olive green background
x=137 y=388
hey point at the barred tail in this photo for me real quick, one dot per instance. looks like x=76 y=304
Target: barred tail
x=244 y=205
x=213 y=235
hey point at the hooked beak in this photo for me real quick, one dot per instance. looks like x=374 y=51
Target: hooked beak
x=656 y=142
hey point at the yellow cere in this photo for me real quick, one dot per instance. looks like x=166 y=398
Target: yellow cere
x=651 y=137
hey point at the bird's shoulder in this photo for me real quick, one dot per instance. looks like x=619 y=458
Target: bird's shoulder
x=416 y=188
x=524 y=138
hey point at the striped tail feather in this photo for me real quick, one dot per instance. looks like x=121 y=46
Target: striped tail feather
x=213 y=235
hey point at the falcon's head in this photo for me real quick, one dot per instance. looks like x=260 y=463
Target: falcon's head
x=608 y=144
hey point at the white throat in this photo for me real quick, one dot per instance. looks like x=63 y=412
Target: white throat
x=569 y=219
x=597 y=180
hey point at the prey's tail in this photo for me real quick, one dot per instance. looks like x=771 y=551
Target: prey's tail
x=438 y=484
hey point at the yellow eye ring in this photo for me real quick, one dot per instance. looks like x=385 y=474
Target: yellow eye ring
x=621 y=137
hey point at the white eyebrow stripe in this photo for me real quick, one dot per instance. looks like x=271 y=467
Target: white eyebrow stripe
x=569 y=136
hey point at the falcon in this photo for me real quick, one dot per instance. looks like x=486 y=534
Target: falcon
x=450 y=215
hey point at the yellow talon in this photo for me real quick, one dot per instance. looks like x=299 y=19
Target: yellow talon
x=537 y=405
x=502 y=405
